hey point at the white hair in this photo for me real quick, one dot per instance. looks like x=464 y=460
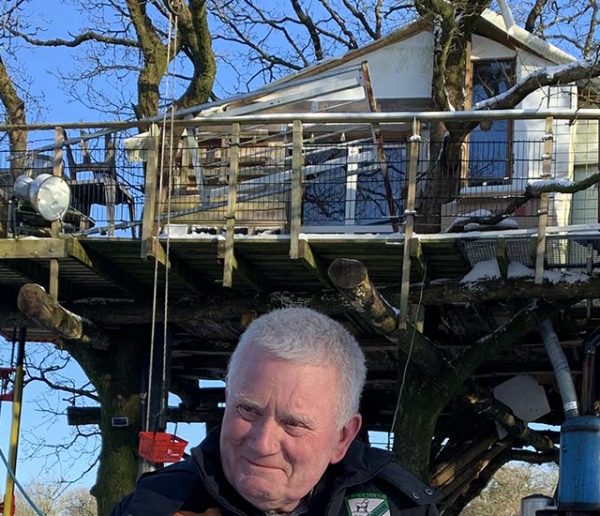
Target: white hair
x=304 y=336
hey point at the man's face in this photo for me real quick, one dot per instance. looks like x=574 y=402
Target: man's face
x=280 y=430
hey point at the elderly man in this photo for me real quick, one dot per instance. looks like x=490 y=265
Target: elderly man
x=286 y=445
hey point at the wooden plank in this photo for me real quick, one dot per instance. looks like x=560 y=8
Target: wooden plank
x=296 y=204
x=157 y=251
x=417 y=257
x=43 y=248
x=540 y=252
x=501 y=257
x=104 y=268
x=409 y=225
x=234 y=171
x=243 y=269
x=190 y=278
x=313 y=263
x=149 y=220
x=57 y=170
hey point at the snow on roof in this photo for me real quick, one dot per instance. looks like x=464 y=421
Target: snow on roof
x=524 y=38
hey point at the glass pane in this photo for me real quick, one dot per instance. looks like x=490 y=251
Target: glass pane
x=489 y=153
x=325 y=197
x=372 y=205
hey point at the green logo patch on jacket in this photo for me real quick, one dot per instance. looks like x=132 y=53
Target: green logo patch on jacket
x=367 y=504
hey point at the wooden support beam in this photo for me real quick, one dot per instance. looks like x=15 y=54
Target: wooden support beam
x=409 y=225
x=296 y=202
x=154 y=249
x=540 y=252
x=313 y=263
x=241 y=268
x=35 y=303
x=57 y=170
x=446 y=471
x=351 y=279
x=501 y=257
x=42 y=248
x=91 y=415
x=471 y=471
x=417 y=257
x=157 y=375
x=175 y=265
x=150 y=219
x=234 y=172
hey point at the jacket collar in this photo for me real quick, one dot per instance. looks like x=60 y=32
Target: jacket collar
x=360 y=464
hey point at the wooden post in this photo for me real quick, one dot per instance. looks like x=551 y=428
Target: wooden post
x=158 y=370
x=409 y=224
x=501 y=257
x=589 y=269
x=540 y=250
x=149 y=220
x=296 y=201
x=9 y=491
x=57 y=170
x=379 y=146
x=234 y=171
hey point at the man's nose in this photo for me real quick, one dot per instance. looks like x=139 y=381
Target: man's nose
x=265 y=437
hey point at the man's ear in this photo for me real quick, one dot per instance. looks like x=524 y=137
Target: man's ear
x=346 y=435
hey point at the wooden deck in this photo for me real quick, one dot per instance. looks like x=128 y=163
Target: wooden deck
x=95 y=272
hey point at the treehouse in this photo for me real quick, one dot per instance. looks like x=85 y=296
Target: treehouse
x=332 y=188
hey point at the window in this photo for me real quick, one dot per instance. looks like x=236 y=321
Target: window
x=350 y=190
x=490 y=148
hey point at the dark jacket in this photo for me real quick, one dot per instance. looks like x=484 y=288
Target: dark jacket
x=366 y=482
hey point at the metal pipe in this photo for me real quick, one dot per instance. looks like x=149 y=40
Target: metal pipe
x=564 y=380
x=15 y=426
x=339 y=118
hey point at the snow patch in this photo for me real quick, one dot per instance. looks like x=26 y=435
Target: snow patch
x=566 y=277
x=486 y=270
x=518 y=270
x=503 y=224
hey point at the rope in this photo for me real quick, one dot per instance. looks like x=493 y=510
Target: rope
x=405 y=371
x=25 y=495
x=172 y=23
x=168 y=247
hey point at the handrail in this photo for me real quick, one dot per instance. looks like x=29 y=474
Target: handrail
x=339 y=118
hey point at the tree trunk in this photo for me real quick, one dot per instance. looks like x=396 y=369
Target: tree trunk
x=117 y=377
x=420 y=407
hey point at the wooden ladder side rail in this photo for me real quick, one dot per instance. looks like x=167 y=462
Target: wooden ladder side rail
x=379 y=146
x=234 y=170
x=296 y=201
x=409 y=226
x=540 y=249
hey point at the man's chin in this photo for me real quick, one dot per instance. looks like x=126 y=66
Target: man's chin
x=259 y=493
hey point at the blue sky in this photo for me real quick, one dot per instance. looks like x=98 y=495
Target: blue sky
x=37 y=425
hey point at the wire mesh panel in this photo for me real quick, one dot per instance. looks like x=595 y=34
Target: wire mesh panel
x=351 y=181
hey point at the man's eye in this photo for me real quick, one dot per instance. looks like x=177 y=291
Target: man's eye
x=294 y=427
x=247 y=412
